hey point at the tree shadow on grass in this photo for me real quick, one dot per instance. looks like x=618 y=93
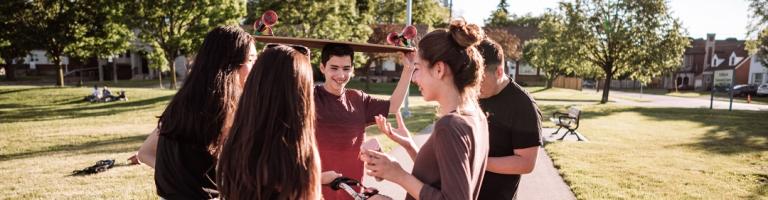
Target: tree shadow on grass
x=86 y=110
x=111 y=145
x=731 y=132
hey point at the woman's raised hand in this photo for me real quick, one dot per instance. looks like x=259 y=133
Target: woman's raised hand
x=400 y=135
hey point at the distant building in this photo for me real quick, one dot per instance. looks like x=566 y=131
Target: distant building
x=706 y=59
x=522 y=72
x=132 y=64
x=758 y=74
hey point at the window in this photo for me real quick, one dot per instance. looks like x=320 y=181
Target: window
x=757 y=78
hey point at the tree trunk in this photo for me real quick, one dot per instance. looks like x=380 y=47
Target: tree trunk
x=548 y=84
x=114 y=70
x=171 y=62
x=366 y=73
x=160 y=77
x=10 y=73
x=606 y=87
x=60 y=72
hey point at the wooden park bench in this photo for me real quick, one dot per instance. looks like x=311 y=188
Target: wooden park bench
x=568 y=120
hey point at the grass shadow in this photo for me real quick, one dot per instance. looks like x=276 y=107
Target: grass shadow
x=729 y=132
x=540 y=90
x=99 y=146
x=30 y=113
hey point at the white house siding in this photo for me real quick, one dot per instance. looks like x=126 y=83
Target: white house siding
x=757 y=69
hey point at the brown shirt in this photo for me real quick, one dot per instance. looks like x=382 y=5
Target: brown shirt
x=451 y=164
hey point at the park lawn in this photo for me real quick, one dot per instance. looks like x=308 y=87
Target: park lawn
x=666 y=153
x=701 y=95
x=47 y=132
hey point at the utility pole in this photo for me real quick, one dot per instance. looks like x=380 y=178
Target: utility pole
x=406 y=112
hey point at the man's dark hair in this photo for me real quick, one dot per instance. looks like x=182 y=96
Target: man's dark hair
x=336 y=50
x=492 y=53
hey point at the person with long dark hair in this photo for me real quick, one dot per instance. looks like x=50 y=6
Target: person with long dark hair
x=185 y=146
x=271 y=151
x=452 y=162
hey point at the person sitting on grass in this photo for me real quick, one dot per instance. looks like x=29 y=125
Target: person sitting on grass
x=95 y=95
x=106 y=95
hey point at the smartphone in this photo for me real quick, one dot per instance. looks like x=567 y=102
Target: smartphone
x=372 y=144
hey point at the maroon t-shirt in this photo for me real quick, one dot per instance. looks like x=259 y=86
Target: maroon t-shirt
x=340 y=130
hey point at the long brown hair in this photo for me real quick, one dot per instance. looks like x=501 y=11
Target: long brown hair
x=456 y=48
x=210 y=93
x=270 y=152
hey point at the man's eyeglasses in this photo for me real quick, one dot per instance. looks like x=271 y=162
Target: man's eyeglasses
x=301 y=49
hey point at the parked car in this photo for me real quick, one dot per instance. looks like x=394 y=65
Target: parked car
x=743 y=90
x=588 y=84
x=762 y=90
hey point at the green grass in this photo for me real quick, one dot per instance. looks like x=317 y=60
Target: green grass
x=47 y=132
x=666 y=153
x=634 y=153
x=720 y=96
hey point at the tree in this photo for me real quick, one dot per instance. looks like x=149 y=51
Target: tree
x=178 y=27
x=15 y=36
x=56 y=26
x=625 y=38
x=509 y=43
x=759 y=25
x=347 y=20
x=500 y=16
x=552 y=51
x=107 y=33
x=428 y=12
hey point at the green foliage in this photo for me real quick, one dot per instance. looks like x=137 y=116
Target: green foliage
x=106 y=34
x=759 y=25
x=346 y=20
x=500 y=16
x=625 y=38
x=179 y=27
x=428 y=12
x=15 y=36
x=335 y=20
x=552 y=51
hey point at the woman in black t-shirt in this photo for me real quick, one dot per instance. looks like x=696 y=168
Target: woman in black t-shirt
x=185 y=146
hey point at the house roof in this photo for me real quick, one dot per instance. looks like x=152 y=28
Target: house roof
x=523 y=33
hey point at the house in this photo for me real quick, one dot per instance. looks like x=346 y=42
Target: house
x=130 y=65
x=758 y=73
x=709 y=62
x=385 y=67
x=522 y=72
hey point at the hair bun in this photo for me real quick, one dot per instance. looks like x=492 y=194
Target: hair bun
x=465 y=34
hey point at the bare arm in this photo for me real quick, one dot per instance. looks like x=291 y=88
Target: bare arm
x=521 y=163
x=148 y=150
x=398 y=95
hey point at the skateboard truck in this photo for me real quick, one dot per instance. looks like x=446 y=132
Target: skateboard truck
x=403 y=38
x=344 y=183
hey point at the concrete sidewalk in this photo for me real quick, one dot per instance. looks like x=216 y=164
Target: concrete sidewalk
x=543 y=183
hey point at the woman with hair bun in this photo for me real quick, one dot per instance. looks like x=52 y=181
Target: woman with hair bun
x=451 y=164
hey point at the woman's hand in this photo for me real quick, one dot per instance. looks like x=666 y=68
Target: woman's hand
x=401 y=135
x=328 y=176
x=382 y=166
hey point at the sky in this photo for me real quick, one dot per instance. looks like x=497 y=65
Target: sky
x=725 y=18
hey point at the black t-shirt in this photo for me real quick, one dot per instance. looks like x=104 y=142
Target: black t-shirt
x=514 y=122
x=184 y=170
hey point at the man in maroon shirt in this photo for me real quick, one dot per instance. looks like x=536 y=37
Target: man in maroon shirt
x=342 y=114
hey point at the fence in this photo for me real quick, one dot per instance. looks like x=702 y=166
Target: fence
x=567 y=82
